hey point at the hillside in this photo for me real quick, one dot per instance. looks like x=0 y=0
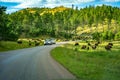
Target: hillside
x=45 y=10
x=62 y=22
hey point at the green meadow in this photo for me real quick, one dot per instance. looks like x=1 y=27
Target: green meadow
x=98 y=64
x=12 y=45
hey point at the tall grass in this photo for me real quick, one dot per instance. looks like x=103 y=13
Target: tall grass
x=9 y=45
x=90 y=64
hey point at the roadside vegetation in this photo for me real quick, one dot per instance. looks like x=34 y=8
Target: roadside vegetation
x=20 y=44
x=92 y=64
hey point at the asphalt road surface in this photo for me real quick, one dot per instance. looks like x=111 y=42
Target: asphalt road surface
x=32 y=64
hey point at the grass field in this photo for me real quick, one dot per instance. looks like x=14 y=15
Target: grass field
x=90 y=64
x=9 y=45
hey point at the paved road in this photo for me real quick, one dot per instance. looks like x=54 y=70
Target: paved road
x=32 y=64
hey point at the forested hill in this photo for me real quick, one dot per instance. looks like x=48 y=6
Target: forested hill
x=61 y=22
x=42 y=11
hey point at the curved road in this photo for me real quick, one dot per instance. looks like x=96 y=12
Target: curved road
x=32 y=64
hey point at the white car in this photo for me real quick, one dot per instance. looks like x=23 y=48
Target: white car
x=53 y=41
x=49 y=41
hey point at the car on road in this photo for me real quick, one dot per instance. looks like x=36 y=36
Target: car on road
x=53 y=41
x=49 y=41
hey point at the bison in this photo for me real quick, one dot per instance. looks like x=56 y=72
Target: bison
x=83 y=47
x=110 y=44
x=30 y=43
x=76 y=44
x=19 y=42
x=108 y=47
x=89 y=44
x=94 y=47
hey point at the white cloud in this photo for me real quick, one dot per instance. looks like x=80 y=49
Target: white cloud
x=20 y=1
x=11 y=10
x=11 y=0
x=24 y=5
x=44 y=3
x=111 y=0
x=49 y=3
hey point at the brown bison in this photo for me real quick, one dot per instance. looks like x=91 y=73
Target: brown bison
x=109 y=46
x=83 y=47
x=89 y=44
x=19 y=42
x=94 y=47
x=76 y=44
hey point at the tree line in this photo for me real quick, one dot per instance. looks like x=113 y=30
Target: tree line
x=60 y=22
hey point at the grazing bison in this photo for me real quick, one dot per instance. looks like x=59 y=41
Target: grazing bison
x=83 y=47
x=94 y=47
x=89 y=44
x=19 y=42
x=30 y=43
x=96 y=44
x=76 y=44
x=87 y=48
x=36 y=43
x=109 y=46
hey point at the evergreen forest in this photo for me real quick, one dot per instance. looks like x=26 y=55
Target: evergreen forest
x=96 y=22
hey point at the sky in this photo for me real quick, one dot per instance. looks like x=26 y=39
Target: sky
x=15 y=5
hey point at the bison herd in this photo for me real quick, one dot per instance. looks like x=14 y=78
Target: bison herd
x=35 y=42
x=94 y=45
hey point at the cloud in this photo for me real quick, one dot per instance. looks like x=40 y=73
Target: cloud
x=46 y=0
x=11 y=10
x=42 y=3
x=53 y=3
x=111 y=0
x=46 y=3
x=20 y=1
x=11 y=0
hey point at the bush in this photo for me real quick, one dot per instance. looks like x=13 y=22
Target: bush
x=96 y=36
x=117 y=36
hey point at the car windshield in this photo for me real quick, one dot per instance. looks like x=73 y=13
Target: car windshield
x=47 y=40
